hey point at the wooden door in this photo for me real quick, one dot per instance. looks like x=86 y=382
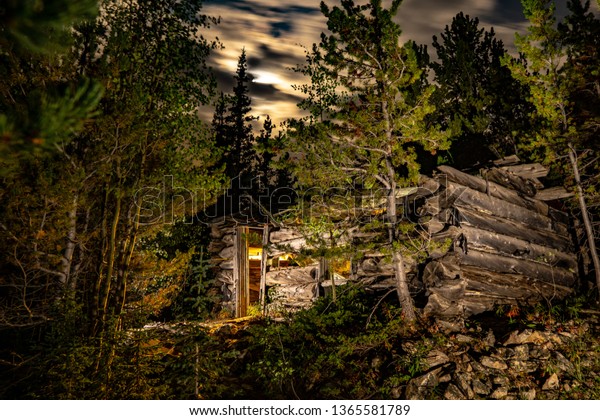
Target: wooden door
x=241 y=272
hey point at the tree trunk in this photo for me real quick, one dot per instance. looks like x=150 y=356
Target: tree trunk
x=67 y=257
x=589 y=230
x=408 y=309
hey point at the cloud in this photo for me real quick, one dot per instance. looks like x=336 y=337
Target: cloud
x=275 y=32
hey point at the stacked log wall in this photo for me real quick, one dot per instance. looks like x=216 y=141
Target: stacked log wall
x=507 y=247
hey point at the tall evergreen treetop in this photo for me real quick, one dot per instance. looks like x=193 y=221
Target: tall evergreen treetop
x=477 y=96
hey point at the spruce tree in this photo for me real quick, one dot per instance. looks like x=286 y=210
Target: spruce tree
x=477 y=98
x=240 y=135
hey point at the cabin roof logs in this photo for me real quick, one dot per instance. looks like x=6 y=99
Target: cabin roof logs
x=505 y=245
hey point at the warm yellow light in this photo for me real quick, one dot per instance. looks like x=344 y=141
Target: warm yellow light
x=254 y=253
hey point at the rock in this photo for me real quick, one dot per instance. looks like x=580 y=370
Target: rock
x=418 y=388
x=396 y=393
x=480 y=388
x=563 y=363
x=517 y=337
x=450 y=326
x=501 y=380
x=540 y=353
x=436 y=357
x=520 y=352
x=503 y=353
x=445 y=378
x=514 y=338
x=530 y=336
x=535 y=337
x=523 y=366
x=478 y=367
x=409 y=347
x=490 y=339
x=528 y=394
x=499 y=393
x=463 y=381
x=453 y=393
x=493 y=363
x=461 y=338
x=551 y=383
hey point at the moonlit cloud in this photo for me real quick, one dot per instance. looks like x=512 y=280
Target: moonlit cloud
x=275 y=32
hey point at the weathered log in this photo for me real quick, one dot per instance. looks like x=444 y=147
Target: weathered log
x=282 y=235
x=216 y=246
x=541 y=292
x=494 y=242
x=528 y=170
x=554 y=193
x=433 y=224
x=291 y=275
x=438 y=305
x=509 y=180
x=481 y=281
x=293 y=294
x=226 y=265
x=227 y=253
x=491 y=188
x=215 y=231
x=225 y=276
x=437 y=272
x=284 y=247
x=467 y=290
x=464 y=216
x=427 y=186
x=459 y=195
x=507 y=161
x=531 y=269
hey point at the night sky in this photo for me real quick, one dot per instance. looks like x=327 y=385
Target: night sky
x=275 y=31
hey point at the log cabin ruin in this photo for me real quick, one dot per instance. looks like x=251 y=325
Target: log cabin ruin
x=498 y=241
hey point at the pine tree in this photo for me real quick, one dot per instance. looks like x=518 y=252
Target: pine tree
x=239 y=122
x=368 y=115
x=41 y=102
x=552 y=85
